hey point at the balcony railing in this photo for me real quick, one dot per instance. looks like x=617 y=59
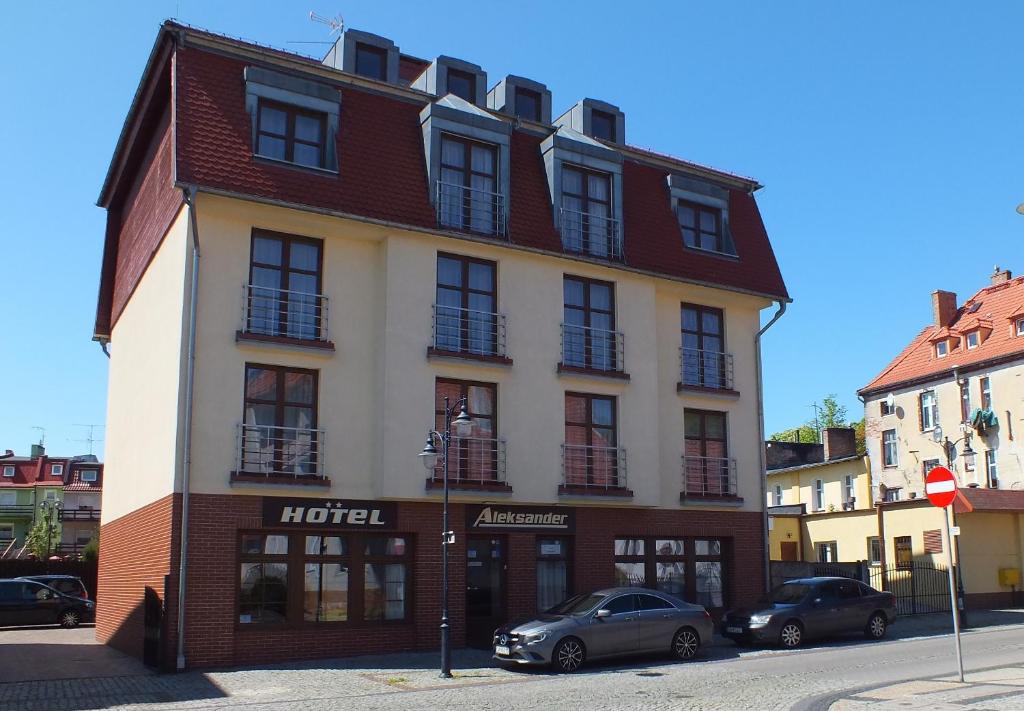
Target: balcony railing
x=79 y=515
x=590 y=234
x=467 y=331
x=16 y=510
x=284 y=314
x=471 y=210
x=592 y=348
x=709 y=476
x=706 y=369
x=280 y=451
x=474 y=460
x=594 y=468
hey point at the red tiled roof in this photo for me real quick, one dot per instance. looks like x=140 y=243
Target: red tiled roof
x=970 y=500
x=918 y=359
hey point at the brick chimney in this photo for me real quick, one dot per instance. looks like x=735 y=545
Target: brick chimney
x=943 y=307
x=839 y=442
x=1000 y=275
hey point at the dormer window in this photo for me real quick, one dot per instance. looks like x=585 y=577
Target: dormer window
x=1020 y=327
x=56 y=470
x=521 y=97
x=587 y=224
x=973 y=339
x=597 y=119
x=528 y=104
x=8 y=470
x=702 y=226
x=602 y=125
x=467 y=196
x=290 y=134
x=942 y=349
x=88 y=475
x=702 y=210
x=371 y=61
x=462 y=84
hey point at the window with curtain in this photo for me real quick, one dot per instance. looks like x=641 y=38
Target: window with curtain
x=279 y=430
x=553 y=564
x=468 y=193
x=385 y=578
x=703 y=339
x=284 y=295
x=589 y=339
x=263 y=580
x=591 y=449
x=890 y=449
x=986 y=394
x=475 y=457
x=326 y=583
x=706 y=451
x=904 y=551
x=587 y=223
x=288 y=133
x=466 y=304
x=690 y=568
x=928 y=405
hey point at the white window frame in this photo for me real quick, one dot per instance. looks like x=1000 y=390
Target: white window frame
x=992 y=468
x=819 y=495
x=8 y=470
x=942 y=349
x=50 y=495
x=930 y=412
x=893 y=494
x=833 y=551
x=777 y=495
x=56 y=470
x=82 y=475
x=976 y=337
x=874 y=559
x=986 y=392
x=894 y=460
x=848 y=488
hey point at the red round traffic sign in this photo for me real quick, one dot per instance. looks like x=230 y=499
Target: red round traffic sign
x=940 y=487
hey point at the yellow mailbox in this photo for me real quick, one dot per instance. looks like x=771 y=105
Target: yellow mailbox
x=1009 y=577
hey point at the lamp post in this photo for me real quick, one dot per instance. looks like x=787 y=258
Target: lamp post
x=50 y=509
x=968 y=454
x=463 y=427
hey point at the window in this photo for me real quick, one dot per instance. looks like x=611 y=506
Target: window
x=472 y=458
x=965 y=399
x=51 y=495
x=703 y=355
x=927 y=465
x=285 y=275
x=325 y=579
x=874 y=550
x=466 y=301
x=290 y=134
x=777 y=495
x=552 y=572
x=263 y=583
x=591 y=441
x=706 y=466
x=992 y=468
x=587 y=223
x=279 y=422
x=819 y=495
x=1020 y=327
x=986 y=394
x=893 y=493
x=701 y=225
x=8 y=498
x=468 y=196
x=6 y=532
x=528 y=104
x=653 y=602
x=8 y=470
x=890 y=449
x=826 y=552
x=385 y=574
x=371 y=61
x=848 y=496
x=589 y=339
x=887 y=409
x=904 y=551
x=88 y=475
x=602 y=125
x=942 y=349
x=690 y=568
x=972 y=340
x=56 y=470
x=462 y=84
x=928 y=407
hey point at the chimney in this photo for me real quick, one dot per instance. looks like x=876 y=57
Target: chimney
x=839 y=442
x=38 y=450
x=9 y=453
x=943 y=307
x=1000 y=275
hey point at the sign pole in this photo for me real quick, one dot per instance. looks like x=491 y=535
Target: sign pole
x=952 y=597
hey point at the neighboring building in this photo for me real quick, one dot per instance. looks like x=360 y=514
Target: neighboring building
x=589 y=298
x=30 y=485
x=961 y=380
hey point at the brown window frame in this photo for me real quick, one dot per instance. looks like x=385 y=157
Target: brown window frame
x=262 y=558
x=465 y=291
x=286 y=271
x=534 y=96
x=566 y=557
x=461 y=454
x=289 y=135
x=689 y=557
x=704 y=439
x=903 y=544
x=884 y=409
x=469 y=77
x=588 y=310
x=586 y=200
x=381 y=53
x=467 y=172
x=600 y=117
x=699 y=231
x=589 y=425
x=700 y=311
x=280 y=404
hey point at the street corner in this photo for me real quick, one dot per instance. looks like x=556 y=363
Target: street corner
x=1001 y=688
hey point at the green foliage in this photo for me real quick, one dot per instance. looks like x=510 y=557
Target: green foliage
x=37 y=540
x=803 y=434
x=91 y=551
x=858 y=434
x=829 y=414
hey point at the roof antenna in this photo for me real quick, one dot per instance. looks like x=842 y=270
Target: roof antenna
x=42 y=434
x=336 y=24
x=90 y=439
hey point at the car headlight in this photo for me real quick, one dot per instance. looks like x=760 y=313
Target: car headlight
x=760 y=619
x=535 y=637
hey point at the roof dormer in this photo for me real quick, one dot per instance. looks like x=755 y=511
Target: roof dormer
x=448 y=75
x=365 y=54
x=596 y=119
x=521 y=97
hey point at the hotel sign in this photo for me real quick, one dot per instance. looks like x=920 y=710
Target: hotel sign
x=496 y=517
x=328 y=513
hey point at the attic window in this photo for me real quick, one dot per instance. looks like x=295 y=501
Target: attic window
x=942 y=349
x=1020 y=327
x=371 y=61
x=87 y=475
x=973 y=340
x=528 y=104
x=8 y=470
x=974 y=307
x=462 y=84
x=602 y=125
x=56 y=470
x=290 y=134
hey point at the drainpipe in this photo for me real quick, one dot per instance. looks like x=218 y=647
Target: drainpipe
x=189 y=197
x=760 y=443
x=104 y=346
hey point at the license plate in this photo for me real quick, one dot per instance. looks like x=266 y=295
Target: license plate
x=501 y=649
x=734 y=630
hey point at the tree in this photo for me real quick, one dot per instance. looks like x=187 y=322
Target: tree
x=803 y=434
x=829 y=413
x=39 y=539
x=91 y=551
x=858 y=435
x=832 y=413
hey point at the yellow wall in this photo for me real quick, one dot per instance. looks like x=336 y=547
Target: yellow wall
x=798 y=484
x=782 y=528
x=988 y=542
x=850 y=531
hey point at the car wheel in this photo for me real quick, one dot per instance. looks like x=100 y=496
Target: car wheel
x=569 y=655
x=791 y=635
x=877 y=626
x=685 y=644
x=69 y=619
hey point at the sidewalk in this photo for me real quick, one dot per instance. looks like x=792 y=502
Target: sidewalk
x=991 y=689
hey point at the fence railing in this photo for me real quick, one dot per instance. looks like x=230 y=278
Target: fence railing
x=590 y=234
x=709 y=476
x=919 y=586
x=708 y=369
x=280 y=451
x=464 y=208
x=594 y=348
x=79 y=515
x=16 y=510
x=474 y=460
x=284 y=314
x=467 y=331
x=593 y=467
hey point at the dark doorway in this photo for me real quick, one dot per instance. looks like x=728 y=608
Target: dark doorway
x=485 y=588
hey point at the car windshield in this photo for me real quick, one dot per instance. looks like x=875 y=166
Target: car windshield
x=790 y=593
x=577 y=604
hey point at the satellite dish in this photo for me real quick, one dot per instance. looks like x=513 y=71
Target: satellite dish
x=937 y=434
x=1020 y=208
x=890 y=401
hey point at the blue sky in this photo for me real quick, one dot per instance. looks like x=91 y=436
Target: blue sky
x=888 y=136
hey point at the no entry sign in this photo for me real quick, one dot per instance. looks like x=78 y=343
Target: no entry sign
x=940 y=487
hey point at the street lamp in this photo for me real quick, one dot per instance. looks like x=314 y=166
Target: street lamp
x=463 y=428
x=50 y=509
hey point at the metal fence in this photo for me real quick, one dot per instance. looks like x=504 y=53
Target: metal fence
x=709 y=476
x=474 y=460
x=707 y=369
x=280 y=451
x=284 y=314
x=919 y=587
x=591 y=234
x=593 y=467
x=464 y=208
x=595 y=348
x=458 y=330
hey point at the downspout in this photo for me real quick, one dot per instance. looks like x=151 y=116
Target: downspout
x=760 y=443
x=104 y=346
x=189 y=196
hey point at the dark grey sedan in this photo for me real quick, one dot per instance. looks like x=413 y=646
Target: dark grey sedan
x=606 y=623
x=813 y=607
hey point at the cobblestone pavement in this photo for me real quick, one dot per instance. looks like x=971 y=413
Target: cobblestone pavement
x=819 y=677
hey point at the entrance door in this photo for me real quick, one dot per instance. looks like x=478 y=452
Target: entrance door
x=790 y=550
x=485 y=588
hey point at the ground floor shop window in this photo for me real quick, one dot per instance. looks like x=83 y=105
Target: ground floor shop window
x=690 y=568
x=312 y=578
x=552 y=572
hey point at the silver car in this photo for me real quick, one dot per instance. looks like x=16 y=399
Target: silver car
x=607 y=623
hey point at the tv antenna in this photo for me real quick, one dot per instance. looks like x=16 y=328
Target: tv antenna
x=337 y=24
x=42 y=434
x=90 y=439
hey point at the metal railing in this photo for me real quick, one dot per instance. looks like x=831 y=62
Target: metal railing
x=593 y=467
x=280 y=451
x=474 y=460
x=594 y=348
x=708 y=369
x=284 y=314
x=709 y=476
x=16 y=510
x=593 y=235
x=79 y=514
x=467 y=331
x=464 y=208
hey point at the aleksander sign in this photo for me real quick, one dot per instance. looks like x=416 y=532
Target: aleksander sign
x=496 y=517
x=328 y=513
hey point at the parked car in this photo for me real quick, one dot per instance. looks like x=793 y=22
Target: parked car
x=813 y=607
x=68 y=584
x=606 y=623
x=26 y=602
